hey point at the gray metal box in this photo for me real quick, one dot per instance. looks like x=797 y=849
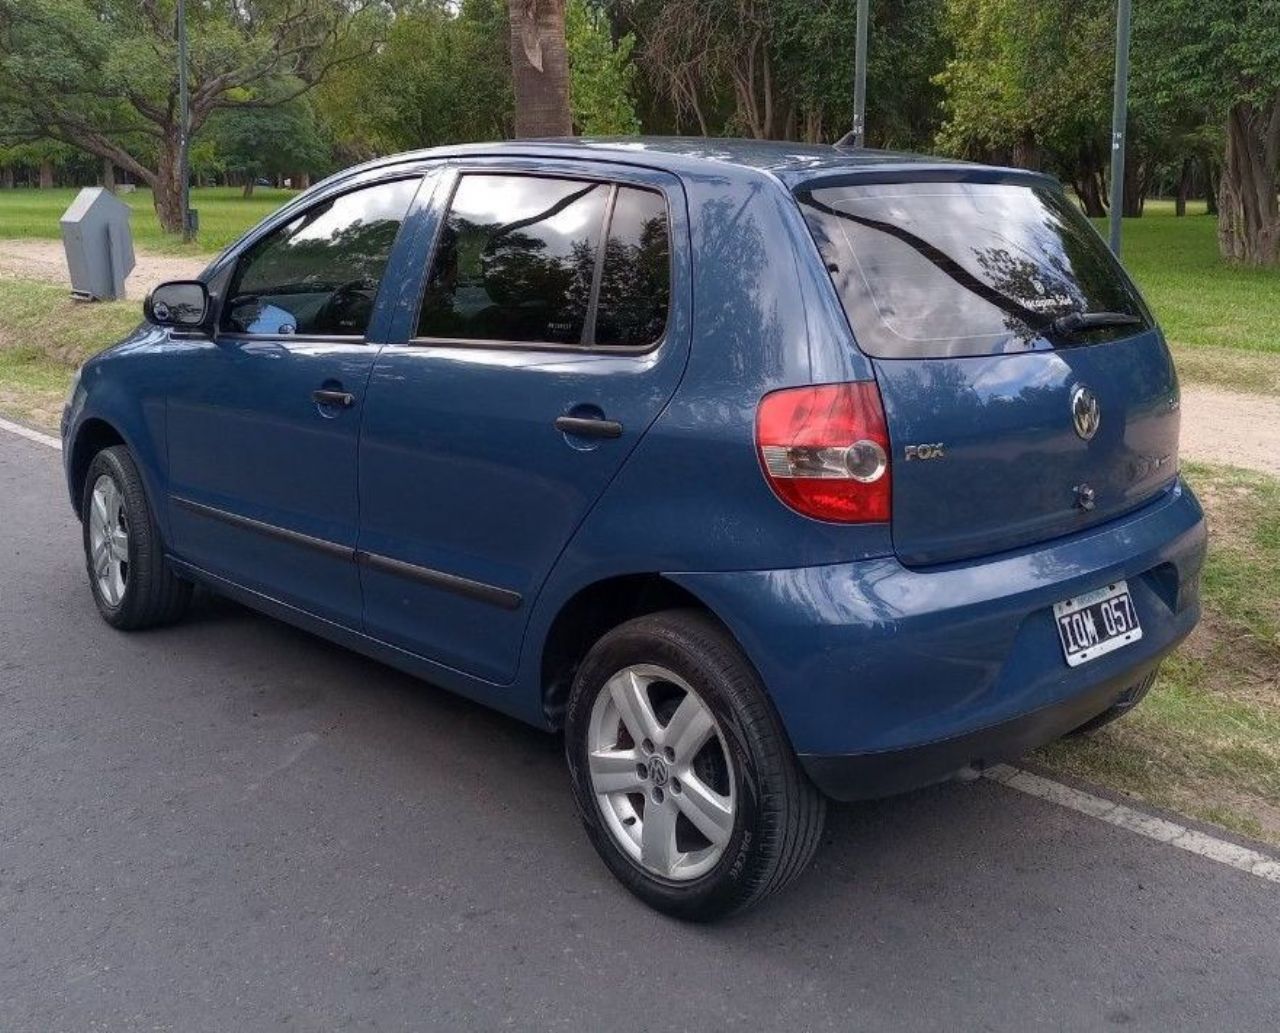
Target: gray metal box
x=98 y=243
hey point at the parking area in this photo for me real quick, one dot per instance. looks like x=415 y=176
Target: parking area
x=233 y=825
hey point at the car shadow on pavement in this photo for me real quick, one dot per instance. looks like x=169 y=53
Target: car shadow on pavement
x=970 y=858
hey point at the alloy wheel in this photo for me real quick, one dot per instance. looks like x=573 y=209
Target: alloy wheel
x=108 y=540
x=661 y=772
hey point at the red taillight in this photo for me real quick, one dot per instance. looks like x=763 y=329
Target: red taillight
x=825 y=451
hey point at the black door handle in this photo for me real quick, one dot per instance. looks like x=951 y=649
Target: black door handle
x=340 y=399
x=589 y=426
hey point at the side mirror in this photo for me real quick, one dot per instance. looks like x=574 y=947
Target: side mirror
x=179 y=303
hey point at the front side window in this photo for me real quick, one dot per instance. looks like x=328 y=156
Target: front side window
x=519 y=260
x=319 y=274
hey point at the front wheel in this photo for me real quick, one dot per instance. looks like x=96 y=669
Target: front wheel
x=132 y=582
x=682 y=773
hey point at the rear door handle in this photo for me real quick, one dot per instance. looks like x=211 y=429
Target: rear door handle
x=338 y=399
x=589 y=426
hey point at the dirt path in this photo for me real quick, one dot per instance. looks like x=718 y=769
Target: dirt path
x=1220 y=426
x=45 y=260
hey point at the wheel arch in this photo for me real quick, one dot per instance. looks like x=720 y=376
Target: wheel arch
x=591 y=612
x=92 y=436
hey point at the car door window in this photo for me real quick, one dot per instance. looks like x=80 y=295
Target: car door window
x=515 y=261
x=635 y=282
x=319 y=273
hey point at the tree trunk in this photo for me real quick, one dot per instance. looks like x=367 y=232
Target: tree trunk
x=109 y=174
x=1087 y=189
x=1212 y=175
x=46 y=175
x=1026 y=155
x=1137 y=178
x=1248 y=208
x=813 y=125
x=1088 y=182
x=540 y=68
x=1184 y=187
x=6 y=178
x=249 y=182
x=166 y=193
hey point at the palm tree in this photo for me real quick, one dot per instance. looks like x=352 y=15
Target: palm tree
x=540 y=67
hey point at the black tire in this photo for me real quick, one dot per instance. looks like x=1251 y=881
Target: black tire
x=1121 y=707
x=153 y=594
x=778 y=813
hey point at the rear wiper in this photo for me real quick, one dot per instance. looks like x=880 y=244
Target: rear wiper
x=1076 y=322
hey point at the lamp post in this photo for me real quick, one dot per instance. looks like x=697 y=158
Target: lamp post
x=860 y=78
x=184 y=124
x=1119 y=118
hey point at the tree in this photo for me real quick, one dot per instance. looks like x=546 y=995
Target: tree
x=1223 y=59
x=441 y=76
x=781 y=69
x=253 y=142
x=698 y=51
x=540 y=67
x=814 y=46
x=1030 y=84
x=601 y=74
x=101 y=75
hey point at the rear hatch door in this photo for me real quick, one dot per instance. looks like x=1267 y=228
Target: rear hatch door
x=1009 y=425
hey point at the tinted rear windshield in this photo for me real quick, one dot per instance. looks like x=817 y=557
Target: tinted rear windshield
x=946 y=268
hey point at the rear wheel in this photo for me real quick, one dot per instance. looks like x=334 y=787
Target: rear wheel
x=682 y=773
x=132 y=582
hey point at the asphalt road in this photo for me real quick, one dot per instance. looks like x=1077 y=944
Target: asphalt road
x=231 y=825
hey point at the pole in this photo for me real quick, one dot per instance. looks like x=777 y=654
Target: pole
x=184 y=122
x=860 y=77
x=1119 y=117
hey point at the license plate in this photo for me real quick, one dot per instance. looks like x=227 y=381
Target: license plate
x=1096 y=623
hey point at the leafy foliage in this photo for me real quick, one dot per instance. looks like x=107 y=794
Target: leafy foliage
x=602 y=77
x=101 y=75
x=441 y=76
x=280 y=86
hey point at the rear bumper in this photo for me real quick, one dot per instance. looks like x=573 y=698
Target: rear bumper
x=859 y=776
x=888 y=678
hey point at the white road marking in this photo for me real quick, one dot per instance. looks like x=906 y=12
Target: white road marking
x=31 y=435
x=1162 y=831
x=1117 y=814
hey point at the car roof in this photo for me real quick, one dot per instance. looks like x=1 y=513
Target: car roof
x=788 y=161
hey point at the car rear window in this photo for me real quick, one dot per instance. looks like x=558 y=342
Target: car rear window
x=936 y=269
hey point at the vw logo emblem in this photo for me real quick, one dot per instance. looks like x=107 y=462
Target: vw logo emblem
x=1084 y=412
x=657 y=771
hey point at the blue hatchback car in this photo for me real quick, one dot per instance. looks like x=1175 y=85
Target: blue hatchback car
x=767 y=473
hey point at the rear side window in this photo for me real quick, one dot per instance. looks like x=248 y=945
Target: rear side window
x=520 y=259
x=948 y=268
x=635 y=284
x=319 y=274
x=515 y=260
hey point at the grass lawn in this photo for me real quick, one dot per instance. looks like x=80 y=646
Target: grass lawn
x=224 y=215
x=1206 y=741
x=44 y=336
x=1199 y=300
